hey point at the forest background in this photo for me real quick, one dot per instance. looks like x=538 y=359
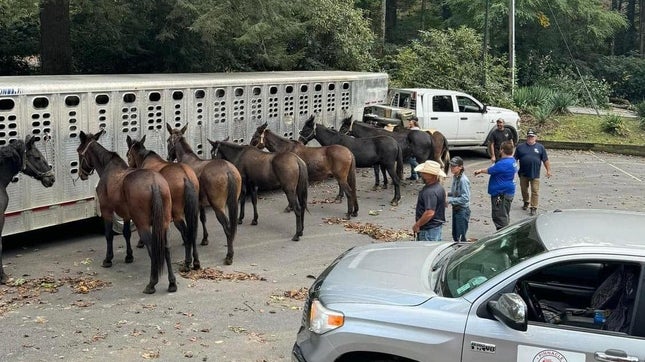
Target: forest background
x=567 y=52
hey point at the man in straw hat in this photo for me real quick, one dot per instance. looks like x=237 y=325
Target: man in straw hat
x=431 y=203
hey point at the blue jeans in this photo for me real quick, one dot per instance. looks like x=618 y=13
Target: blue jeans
x=413 y=163
x=433 y=234
x=460 y=220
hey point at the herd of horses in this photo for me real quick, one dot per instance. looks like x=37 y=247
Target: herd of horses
x=152 y=192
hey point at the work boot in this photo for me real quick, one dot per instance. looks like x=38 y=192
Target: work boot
x=525 y=206
x=532 y=211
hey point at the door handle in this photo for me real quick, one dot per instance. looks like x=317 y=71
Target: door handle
x=614 y=355
x=464 y=118
x=434 y=118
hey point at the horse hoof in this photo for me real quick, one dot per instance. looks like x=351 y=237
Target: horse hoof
x=140 y=244
x=347 y=217
x=295 y=238
x=375 y=187
x=184 y=268
x=196 y=266
x=3 y=278
x=254 y=222
x=204 y=242
x=129 y=259
x=394 y=203
x=228 y=260
x=287 y=210
x=239 y=222
x=149 y=289
x=172 y=287
x=355 y=214
x=106 y=264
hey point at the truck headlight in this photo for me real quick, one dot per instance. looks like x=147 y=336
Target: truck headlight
x=323 y=320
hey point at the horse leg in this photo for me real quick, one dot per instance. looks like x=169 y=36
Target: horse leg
x=172 y=281
x=202 y=218
x=127 y=233
x=223 y=220
x=3 y=276
x=341 y=193
x=397 y=185
x=180 y=224
x=146 y=238
x=242 y=203
x=297 y=210
x=109 y=238
x=254 y=201
x=383 y=171
x=377 y=177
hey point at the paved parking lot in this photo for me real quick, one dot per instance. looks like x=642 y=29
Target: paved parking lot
x=253 y=311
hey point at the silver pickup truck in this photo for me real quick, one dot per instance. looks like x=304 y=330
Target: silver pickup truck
x=465 y=121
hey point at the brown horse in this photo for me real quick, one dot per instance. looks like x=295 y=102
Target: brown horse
x=268 y=171
x=322 y=163
x=20 y=156
x=184 y=192
x=140 y=195
x=220 y=185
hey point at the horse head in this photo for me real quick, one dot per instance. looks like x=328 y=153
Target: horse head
x=175 y=137
x=258 y=137
x=308 y=131
x=86 y=166
x=346 y=126
x=35 y=164
x=136 y=151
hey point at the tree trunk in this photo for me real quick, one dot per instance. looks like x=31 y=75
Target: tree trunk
x=641 y=32
x=55 y=42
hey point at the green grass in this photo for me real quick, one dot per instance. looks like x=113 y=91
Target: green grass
x=584 y=128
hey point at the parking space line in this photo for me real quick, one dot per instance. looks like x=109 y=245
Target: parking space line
x=616 y=167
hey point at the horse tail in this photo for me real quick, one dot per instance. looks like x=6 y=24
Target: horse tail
x=232 y=198
x=191 y=210
x=159 y=233
x=303 y=185
x=445 y=153
x=399 y=161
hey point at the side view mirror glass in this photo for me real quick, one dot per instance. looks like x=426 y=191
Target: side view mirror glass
x=510 y=309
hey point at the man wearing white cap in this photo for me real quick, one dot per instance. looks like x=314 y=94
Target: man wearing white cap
x=431 y=203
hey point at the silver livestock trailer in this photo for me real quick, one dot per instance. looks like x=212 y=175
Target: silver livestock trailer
x=55 y=109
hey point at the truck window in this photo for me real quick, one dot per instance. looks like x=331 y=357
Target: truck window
x=442 y=104
x=467 y=105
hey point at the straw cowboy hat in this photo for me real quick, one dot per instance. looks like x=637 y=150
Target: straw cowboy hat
x=431 y=167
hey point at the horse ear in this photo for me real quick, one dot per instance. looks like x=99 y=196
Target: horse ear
x=227 y=138
x=183 y=129
x=82 y=136
x=29 y=140
x=98 y=135
x=143 y=139
x=264 y=126
x=211 y=142
x=168 y=128
x=128 y=141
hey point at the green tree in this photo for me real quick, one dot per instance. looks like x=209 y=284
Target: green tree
x=450 y=59
x=19 y=27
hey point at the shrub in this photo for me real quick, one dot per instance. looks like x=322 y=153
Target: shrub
x=542 y=112
x=625 y=74
x=562 y=101
x=527 y=98
x=588 y=91
x=640 y=110
x=614 y=125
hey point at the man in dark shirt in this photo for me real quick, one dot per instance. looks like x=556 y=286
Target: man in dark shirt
x=496 y=138
x=431 y=204
x=530 y=156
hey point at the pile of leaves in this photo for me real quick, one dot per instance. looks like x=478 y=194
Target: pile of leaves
x=21 y=291
x=376 y=232
x=219 y=275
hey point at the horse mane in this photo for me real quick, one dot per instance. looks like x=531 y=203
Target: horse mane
x=12 y=154
x=185 y=145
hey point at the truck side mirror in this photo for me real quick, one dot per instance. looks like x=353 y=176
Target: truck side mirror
x=485 y=109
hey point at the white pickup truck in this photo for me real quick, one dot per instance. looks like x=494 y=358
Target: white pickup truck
x=465 y=121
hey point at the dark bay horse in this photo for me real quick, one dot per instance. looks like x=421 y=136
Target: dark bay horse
x=380 y=152
x=20 y=156
x=420 y=144
x=184 y=192
x=322 y=163
x=268 y=171
x=136 y=194
x=220 y=184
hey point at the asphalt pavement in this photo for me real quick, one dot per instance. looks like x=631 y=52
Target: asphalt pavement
x=62 y=305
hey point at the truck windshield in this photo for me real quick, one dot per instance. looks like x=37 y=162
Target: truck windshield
x=471 y=266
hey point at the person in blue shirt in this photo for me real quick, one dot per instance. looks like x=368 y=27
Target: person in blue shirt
x=501 y=185
x=459 y=199
x=430 y=212
x=531 y=155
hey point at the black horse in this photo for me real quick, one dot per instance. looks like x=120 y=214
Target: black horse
x=379 y=152
x=20 y=156
x=268 y=171
x=419 y=144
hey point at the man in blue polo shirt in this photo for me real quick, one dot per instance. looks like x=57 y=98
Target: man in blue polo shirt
x=531 y=155
x=501 y=185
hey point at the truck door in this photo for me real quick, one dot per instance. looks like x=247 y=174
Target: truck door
x=473 y=129
x=443 y=117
